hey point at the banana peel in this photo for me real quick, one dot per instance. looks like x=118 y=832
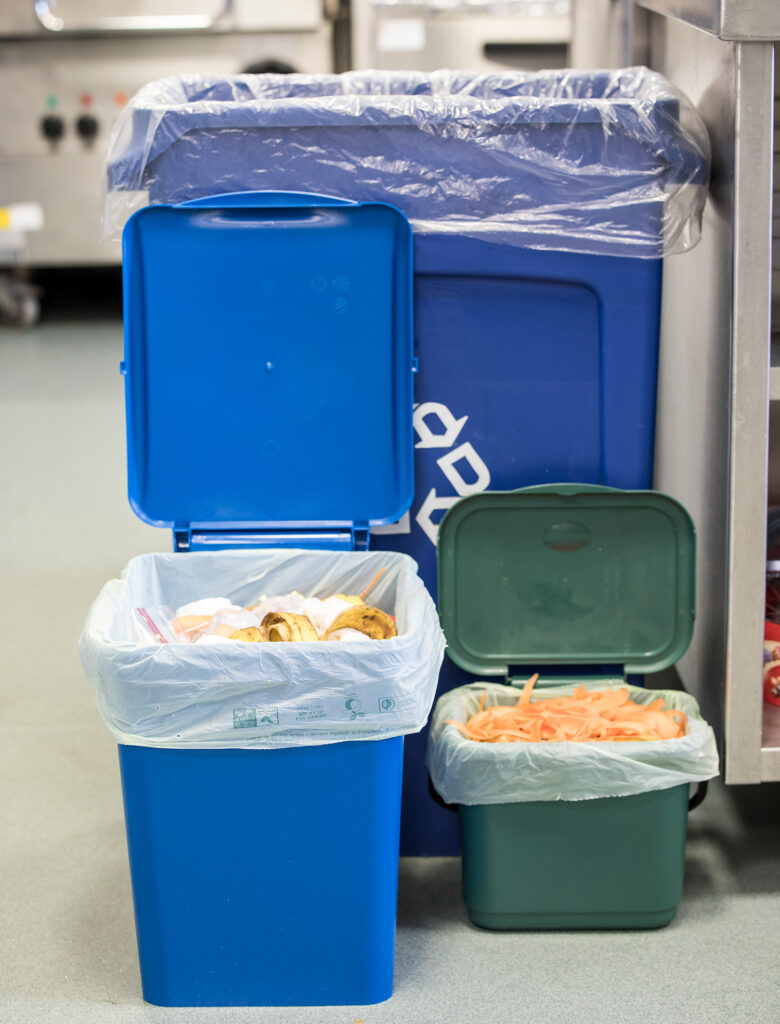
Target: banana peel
x=250 y=634
x=374 y=623
x=287 y=627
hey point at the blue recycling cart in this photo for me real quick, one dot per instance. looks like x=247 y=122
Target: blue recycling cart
x=267 y=876
x=542 y=206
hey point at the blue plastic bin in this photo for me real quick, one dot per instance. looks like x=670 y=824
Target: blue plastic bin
x=591 y=161
x=266 y=876
x=537 y=344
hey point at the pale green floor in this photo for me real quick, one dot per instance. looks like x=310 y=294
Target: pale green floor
x=67 y=946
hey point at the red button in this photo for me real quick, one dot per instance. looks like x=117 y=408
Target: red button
x=86 y=99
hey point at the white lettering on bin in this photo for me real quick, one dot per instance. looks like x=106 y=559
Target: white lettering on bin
x=452 y=427
x=448 y=464
x=433 y=503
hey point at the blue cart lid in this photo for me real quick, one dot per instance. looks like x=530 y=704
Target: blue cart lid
x=566 y=575
x=268 y=362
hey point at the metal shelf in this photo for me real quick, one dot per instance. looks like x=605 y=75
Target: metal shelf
x=742 y=20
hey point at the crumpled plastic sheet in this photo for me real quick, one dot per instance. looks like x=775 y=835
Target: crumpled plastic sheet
x=468 y=772
x=609 y=162
x=262 y=694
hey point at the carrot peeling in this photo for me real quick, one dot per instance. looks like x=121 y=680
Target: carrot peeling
x=525 y=696
x=584 y=717
x=363 y=593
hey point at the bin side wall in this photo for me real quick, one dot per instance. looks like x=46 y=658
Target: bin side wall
x=616 y=862
x=265 y=878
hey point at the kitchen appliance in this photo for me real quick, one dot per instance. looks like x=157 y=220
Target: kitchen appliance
x=67 y=67
x=477 y=35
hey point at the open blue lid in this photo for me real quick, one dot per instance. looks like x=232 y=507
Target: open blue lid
x=268 y=361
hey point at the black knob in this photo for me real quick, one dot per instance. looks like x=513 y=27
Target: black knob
x=52 y=127
x=87 y=127
x=269 y=67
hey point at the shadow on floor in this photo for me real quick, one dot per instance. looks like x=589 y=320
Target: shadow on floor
x=429 y=892
x=739 y=828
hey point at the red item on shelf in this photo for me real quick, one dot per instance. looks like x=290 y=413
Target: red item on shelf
x=772 y=631
x=772 y=663
x=772 y=685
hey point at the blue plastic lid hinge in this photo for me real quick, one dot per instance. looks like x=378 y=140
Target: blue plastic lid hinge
x=361 y=536
x=181 y=538
x=187 y=537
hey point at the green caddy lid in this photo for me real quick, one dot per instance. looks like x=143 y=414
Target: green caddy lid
x=566 y=575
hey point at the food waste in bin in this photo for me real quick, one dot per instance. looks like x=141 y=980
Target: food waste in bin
x=583 y=717
x=284 y=618
x=166 y=691
x=472 y=760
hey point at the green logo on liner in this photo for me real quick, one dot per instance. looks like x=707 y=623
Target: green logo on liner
x=354 y=705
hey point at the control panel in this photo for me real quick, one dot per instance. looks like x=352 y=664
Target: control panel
x=61 y=107
x=79 y=118
x=62 y=98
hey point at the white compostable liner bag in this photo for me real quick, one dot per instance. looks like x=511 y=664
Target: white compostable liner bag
x=263 y=695
x=470 y=772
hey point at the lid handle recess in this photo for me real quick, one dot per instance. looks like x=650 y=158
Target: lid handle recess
x=289 y=200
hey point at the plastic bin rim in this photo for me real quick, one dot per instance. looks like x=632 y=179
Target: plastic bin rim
x=173 y=122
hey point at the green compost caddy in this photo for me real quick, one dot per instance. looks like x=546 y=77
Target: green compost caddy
x=580 y=583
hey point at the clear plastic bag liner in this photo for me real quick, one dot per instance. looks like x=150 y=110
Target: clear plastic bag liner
x=262 y=694
x=611 y=162
x=469 y=772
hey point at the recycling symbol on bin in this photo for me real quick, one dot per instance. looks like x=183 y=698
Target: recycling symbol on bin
x=463 y=468
x=353 y=705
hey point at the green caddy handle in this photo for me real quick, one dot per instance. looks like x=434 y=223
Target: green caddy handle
x=698 y=796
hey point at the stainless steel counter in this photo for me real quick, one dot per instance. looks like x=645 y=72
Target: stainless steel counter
x=737 y=20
